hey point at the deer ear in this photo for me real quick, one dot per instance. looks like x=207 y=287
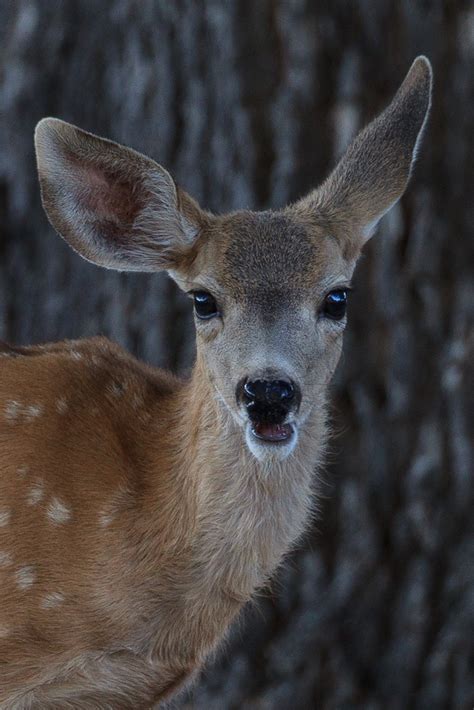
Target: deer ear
x=375 y=170
x=114 y=206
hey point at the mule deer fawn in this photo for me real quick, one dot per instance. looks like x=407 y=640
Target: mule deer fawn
x=139 y=512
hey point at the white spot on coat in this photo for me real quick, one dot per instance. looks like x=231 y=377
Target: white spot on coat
x=61 y=406
x=22 y=471
x=52 y=600
x=105 y=518
x=36 y=493
x=76 y=355
x=15 y=410
x=4 y=517
x=12 y=410
x=58 y=512
x=25 y=576
x=117 y=389
x=4 y=631
x=5 y=559
x=118 y=502
x=33 y=411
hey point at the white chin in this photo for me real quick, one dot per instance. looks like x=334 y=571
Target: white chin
x=268 y=450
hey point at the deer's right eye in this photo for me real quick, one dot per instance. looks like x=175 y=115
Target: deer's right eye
x=205 y=305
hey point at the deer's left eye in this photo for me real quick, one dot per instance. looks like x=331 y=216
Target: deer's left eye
x=205 y=305
x=335 y=304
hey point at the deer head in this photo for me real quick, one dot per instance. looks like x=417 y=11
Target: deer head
x=269 y=288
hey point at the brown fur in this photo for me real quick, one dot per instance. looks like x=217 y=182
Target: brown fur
x=137 y=514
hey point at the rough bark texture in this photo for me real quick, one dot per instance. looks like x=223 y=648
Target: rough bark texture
x=249 y=104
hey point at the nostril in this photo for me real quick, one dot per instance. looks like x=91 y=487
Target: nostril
x=250 y=390
x=281 y=390
x=256 y=390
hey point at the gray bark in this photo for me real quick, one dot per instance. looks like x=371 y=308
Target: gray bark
x=248 y=104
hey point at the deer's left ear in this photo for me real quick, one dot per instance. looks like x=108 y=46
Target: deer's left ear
x=374 y=172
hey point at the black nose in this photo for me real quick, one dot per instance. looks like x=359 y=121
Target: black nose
x=267 y=400
x=269 y=391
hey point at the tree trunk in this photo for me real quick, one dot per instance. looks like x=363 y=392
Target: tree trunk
x=248 y=104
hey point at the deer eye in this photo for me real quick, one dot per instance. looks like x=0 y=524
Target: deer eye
x=205 y=305
x=335 y=304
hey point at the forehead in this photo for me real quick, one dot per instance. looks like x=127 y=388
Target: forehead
x=272 y=252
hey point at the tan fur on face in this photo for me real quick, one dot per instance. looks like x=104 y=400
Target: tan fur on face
x=269 y=273
x=135 y=517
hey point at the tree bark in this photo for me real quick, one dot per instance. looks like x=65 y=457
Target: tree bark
x=249 y=104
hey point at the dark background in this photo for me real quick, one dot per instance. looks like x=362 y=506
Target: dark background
x=248 y=104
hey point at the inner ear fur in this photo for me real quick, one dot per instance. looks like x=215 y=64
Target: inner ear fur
x=113 y=205
x=375 y=170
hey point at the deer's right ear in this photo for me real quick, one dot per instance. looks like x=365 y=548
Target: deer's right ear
x=114 y=206
x=374 y=172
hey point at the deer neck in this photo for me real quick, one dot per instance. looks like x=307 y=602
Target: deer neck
x=241 y=514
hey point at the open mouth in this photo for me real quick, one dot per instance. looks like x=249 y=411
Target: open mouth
x=274 y=433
